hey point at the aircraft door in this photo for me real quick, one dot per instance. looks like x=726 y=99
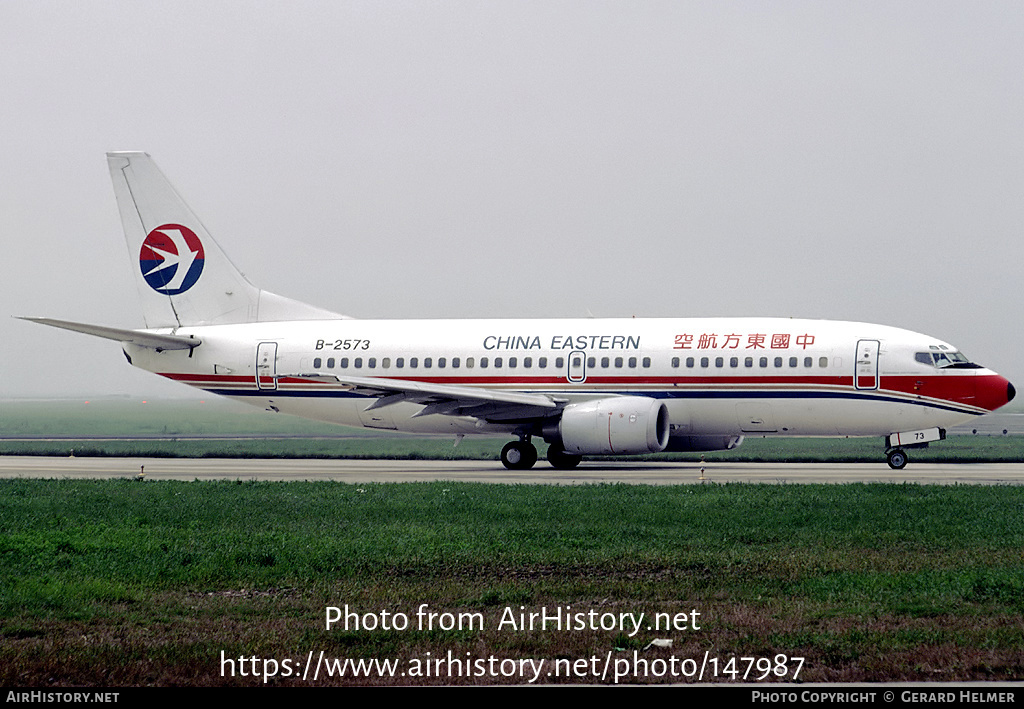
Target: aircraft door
x=266 y=365
x=577 y=367
x=866 y=376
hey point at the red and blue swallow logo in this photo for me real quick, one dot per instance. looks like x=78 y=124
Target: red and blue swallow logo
x=171 y=259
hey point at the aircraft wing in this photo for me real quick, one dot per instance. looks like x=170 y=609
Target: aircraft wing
x=136 y=337
x=454 y=400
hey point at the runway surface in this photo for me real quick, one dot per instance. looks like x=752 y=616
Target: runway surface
x=379 y=471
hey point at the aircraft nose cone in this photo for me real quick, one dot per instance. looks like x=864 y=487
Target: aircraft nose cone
x=994 y=391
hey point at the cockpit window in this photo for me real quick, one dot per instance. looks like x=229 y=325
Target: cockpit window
x=944 y=359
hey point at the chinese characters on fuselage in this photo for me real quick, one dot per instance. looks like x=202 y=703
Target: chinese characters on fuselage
x=733 y=341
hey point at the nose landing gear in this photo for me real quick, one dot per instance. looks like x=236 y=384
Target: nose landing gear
x=896 y=458
x=896 y=442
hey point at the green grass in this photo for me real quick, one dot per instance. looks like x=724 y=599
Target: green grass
x=869 y=582
x=120 y=582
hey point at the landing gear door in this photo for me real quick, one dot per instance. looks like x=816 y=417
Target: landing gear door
x=266 y=365
x=866 y=376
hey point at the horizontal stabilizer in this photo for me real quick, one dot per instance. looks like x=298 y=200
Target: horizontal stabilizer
x=135 y=337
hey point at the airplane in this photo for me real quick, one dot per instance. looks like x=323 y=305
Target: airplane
x=587 y=387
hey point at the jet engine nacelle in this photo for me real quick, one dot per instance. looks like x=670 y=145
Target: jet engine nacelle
x=620 y=424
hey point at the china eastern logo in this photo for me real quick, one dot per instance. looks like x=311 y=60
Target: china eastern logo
x=171 y=259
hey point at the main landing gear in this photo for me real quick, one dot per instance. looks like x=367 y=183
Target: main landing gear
x=519 y=455
x=561 y=460
x=522 y=454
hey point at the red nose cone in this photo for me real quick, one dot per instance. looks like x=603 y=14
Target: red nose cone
x=994 y=391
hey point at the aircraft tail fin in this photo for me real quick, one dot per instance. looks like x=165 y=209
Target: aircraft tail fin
x=183 y=276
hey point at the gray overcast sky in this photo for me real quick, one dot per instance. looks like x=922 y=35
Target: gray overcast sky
x=854 y=161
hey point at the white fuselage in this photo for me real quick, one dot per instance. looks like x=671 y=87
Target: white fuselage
x=717 y=376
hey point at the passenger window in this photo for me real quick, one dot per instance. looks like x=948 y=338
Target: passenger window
x=441 y=362
x=792 y=361
x=763 y=362
x=497 y=362
x=618 y=362
x=704 y=362
x=359 y=362
x=527 y=362
x=414 y=362
x=386 y=363
x=719 y=361
x=559 y=362
x=645 y=362
x=778 y=361
x=456 y=362
x=748 y=362
x=372 y=363
x=591 y=362
x=542 y=363
x=330 y=362
x=689 y=362
x=483 y=363
x=317 y=362
x=675 y=362
x=470 y=363
x=808 y=362
x=632 y=362
x=344 y=363
x=513 y=362
x=400 y=362
x=605 y=362
x=428 y=362
x=823 y=361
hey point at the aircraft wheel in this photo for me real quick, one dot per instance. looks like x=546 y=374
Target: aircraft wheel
x=896 y=458
x=518 y=455
x=560 y=459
